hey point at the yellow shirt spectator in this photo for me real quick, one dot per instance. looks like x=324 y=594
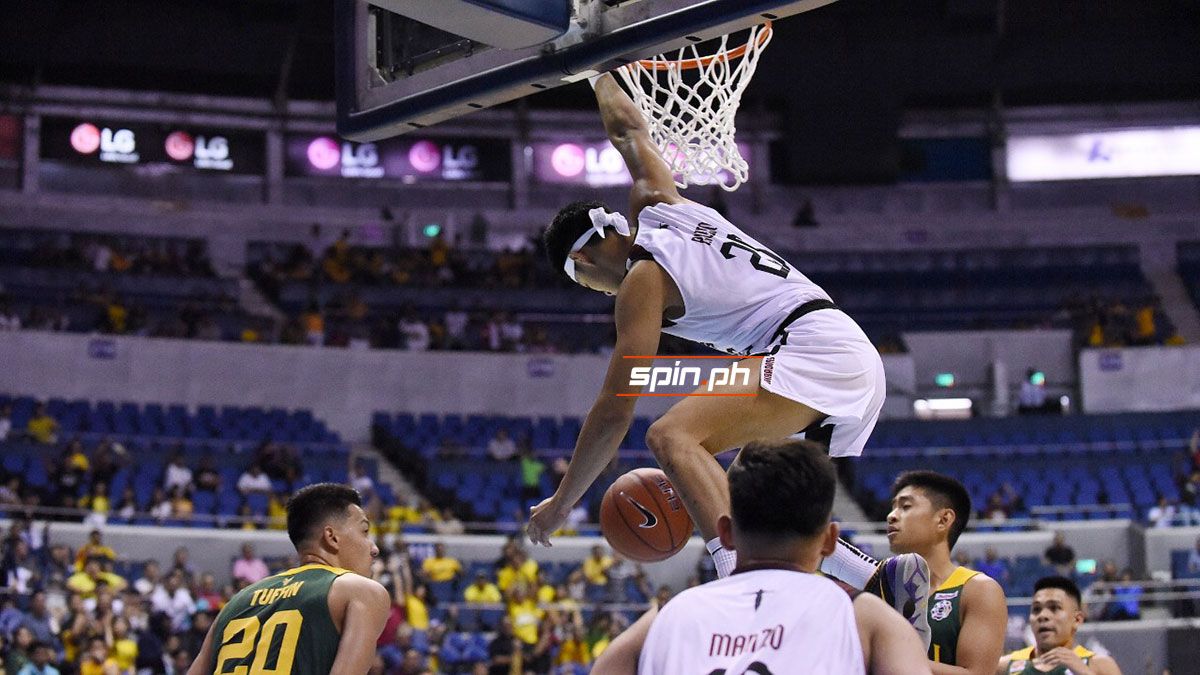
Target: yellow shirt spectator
x=43 y=428
x=417 y=612
x=546 y=594
x=485 y=592
x=595 y=566
x=277 y=513
x=573 y=651
x=508 y=575
x=85 y=584
x=526 y=617
x=125 y=653
x=441 y=568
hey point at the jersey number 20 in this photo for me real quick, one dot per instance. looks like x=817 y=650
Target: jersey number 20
x=780 y=267
x=237 y=649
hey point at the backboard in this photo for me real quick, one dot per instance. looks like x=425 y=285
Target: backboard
x=397 y=73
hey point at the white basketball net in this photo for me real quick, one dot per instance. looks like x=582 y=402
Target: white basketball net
x=690 y=102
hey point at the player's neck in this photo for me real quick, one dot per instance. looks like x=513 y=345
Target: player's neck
x=317 y=559
x=1070 y=644
x=940 y=564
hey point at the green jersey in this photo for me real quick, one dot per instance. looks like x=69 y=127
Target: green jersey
x=945 y=617
x=1020 y=662
x=279 y=626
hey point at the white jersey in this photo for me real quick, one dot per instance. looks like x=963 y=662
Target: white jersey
x=760 y=622
x=735 y=291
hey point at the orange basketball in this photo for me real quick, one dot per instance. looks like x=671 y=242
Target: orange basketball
x=643 y=518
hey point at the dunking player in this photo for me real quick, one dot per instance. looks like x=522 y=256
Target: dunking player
x=966 y=611
x=1055 y=614
x=320 y=618
x=683 y=269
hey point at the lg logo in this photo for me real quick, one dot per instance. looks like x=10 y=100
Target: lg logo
x=206 y=152
x=115 y=145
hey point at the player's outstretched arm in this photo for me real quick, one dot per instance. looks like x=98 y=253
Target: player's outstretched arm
x=366 y=605
x=981 y=638
x=890 y=645
x=626 y=128
x=638 y=317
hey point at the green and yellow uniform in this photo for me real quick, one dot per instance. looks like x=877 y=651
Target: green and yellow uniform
x=279 y=626
x=1020 y=662
x=945 y=616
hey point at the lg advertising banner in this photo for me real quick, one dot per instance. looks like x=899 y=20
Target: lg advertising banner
x=111 y=143
x=409 y=160
x=597 y=164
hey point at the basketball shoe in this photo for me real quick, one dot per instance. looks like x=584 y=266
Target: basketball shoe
x=903 y=582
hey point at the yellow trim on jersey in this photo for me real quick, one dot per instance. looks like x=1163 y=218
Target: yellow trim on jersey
x=1027 y=654
x=958 y=577
x=313 y=566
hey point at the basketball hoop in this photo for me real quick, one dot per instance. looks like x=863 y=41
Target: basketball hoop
x=690 y=101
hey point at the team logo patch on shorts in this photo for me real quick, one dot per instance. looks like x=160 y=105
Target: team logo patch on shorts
x=940 y=610
x=768 y=369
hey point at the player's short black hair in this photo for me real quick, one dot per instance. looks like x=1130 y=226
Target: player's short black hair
x=1064 y=584
x=315 y=504
x=782 y=488
x=570 y=223
x=944 y=492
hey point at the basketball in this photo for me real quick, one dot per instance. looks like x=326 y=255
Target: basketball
x=643 y=518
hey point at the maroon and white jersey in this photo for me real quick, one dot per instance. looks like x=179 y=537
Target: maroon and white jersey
x=759 y=622
x=735 y=290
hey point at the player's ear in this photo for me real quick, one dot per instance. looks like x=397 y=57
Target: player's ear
x=830 y=540
x=725 y=531
x=945 y=520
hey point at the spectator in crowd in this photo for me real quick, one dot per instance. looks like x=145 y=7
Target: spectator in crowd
x=501 y=448
x=174 y=600
x=181 y=504
x=596 y=565
x=249 y=568
x=482 y=591
x=1125 y=599
x=96 y=660
x=207 y=477
x=1060 y=556
x=993 y=565
x=181 y=562
x=122 y=648
x=504 y=650
x=42 y=427
x=94 y=547
x=413 y=331
x=519 y=568
x=20 y=570
x=85 y=582
x=39 y=663
x=439 y=567
x=1033 y=392
x=38 y=620
x=177 y=473
x=449 y=523
x=5 y=421
x=532 y=469
x=524 y=613
x=160 y=506
x=360 y=480
x=254 y=481
x=1161 y=514
x=313 y=324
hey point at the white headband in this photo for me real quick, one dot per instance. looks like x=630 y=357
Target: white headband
x=600 y=220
